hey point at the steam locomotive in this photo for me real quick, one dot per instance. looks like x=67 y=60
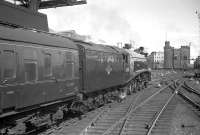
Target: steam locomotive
x=45 y=71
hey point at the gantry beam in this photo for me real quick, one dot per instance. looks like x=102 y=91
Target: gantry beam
x=60 y=3
x=44 y=4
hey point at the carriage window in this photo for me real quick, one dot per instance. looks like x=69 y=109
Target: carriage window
x=30 y=70
x=69 y=65
x=69 y=56
x=9 y=64
x=47 y=65
x=69 y=70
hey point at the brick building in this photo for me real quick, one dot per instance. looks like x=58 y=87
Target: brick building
x=156 y=60
x=176 y=58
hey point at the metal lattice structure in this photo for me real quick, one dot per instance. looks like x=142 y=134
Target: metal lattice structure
x=44 y=4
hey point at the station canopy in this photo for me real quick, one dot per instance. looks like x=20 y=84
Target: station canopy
x=44 y=4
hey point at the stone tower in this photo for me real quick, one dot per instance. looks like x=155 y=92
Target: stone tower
x=168 y=55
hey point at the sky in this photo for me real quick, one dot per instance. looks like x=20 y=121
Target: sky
x=146 y=22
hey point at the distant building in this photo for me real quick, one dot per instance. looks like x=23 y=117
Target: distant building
x=156 y=60
x=184 y=56
x=197 y=62
x=176 y=58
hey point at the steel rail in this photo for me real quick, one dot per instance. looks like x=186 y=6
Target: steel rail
x=84 y=131
x=129 y=111
x=189 y=100
x=122 y=129
x=191 y=89
x=162 y=110
x=92 y=122
x=124 y=119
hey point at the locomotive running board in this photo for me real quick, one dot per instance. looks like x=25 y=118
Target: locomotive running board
x=8 y=114
x=51 y=103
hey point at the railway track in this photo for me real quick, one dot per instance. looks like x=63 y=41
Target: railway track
x=192 y=96
x=147 y=117
x=191 y=89
x=79 y=120
x=116 y=121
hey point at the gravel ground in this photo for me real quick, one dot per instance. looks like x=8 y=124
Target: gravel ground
x=184 y=121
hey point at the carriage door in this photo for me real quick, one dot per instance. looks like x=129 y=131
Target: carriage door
x=8 y=67
x=82 y=67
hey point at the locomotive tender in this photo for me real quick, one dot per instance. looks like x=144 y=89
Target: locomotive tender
x=40 y=69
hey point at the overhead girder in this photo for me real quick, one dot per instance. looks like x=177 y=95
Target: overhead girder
x=60 y=3
x=44 y=4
